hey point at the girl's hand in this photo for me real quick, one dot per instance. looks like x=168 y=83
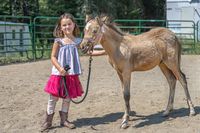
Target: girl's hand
x=63 y=72
x=90 y=52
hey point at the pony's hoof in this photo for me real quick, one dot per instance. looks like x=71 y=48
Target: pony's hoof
x=165 y=114
x=192 y=113
x=124 y=124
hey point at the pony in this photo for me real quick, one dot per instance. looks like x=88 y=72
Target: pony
x=128 y=53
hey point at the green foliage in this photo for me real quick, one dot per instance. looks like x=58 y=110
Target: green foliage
x=12 y=58
x=58 y=7
x=118 y=9
x=154 y=9
x=188 y=47
x=4 y=7
x=19 y=7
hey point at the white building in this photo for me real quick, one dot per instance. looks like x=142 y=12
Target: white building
x=14 y=36
x=188 y=11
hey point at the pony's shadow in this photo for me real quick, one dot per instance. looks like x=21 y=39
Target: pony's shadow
x=152 y=119
x=98 y=120
x=158 y=118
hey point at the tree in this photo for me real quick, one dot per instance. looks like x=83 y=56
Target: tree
x=154 y=9
x=118 y=9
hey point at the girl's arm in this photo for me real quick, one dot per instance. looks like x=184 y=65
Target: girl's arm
x=97 y=52
x=54 y=60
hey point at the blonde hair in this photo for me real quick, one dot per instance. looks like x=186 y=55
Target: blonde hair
x=59 y=33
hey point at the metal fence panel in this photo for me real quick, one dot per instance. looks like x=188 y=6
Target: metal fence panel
x=15 y=36
x=33 y=37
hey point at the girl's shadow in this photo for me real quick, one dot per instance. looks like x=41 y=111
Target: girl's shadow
x=152 y=119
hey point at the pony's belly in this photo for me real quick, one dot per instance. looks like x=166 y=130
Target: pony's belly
x=144 y=66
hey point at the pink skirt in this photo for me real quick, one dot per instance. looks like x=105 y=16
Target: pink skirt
x=55 y=86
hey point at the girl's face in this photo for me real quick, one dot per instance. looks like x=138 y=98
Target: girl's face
x=67 y=26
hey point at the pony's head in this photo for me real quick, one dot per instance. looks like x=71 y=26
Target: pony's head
x=92 y=33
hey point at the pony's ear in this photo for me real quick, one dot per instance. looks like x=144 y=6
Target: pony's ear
x=99 y=21
x=88 y=17
x=106 y=19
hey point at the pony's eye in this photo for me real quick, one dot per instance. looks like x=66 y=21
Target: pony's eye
x=94 y=31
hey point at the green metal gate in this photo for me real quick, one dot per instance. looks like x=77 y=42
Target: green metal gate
x=16 y=36
x=32 y=38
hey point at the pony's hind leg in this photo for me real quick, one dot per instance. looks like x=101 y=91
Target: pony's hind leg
x=183 y=82
x=171 y=79
x=181 y=77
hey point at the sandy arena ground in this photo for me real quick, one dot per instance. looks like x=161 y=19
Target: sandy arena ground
x=23 y=101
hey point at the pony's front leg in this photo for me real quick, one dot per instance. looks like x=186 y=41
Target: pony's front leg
x=126 y=93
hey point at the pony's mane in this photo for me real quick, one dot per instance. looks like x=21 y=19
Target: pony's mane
x=114 y=27
x=110 y=24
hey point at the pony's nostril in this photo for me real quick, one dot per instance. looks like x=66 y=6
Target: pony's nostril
x=82 y=47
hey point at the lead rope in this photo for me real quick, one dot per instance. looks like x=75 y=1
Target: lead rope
x=87 y=86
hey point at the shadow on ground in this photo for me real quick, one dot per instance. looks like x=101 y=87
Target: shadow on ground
x=157 y=118
x=152 y=119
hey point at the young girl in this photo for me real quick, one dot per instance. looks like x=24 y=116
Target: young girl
x=64 y=52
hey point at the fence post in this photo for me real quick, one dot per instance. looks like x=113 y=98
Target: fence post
x=198 y=31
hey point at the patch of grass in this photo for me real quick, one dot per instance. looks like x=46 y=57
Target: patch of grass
x=188 y=47
x=12 y=59
x=9 y=58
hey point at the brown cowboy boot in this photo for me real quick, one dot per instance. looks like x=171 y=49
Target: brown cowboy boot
x=64 y=122
x=48 y=122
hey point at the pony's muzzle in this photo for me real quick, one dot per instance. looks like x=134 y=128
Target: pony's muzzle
x=85 y=47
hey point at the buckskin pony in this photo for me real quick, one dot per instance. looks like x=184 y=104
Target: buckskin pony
x=128 y=53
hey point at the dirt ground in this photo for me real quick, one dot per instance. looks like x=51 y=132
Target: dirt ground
x=23 y=101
